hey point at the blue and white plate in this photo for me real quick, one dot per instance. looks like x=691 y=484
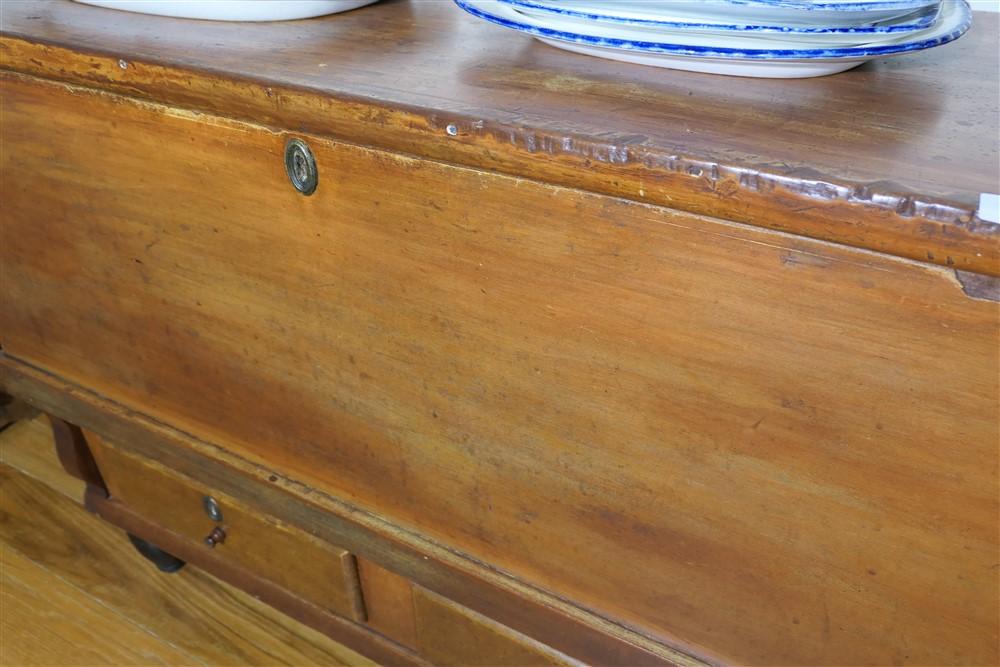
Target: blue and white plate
x=741 y=39
x=834 y=5
x=792 y=13
x=671 y=17
x=722 y=53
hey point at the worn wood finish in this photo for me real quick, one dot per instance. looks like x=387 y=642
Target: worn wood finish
x=305 y=566
x=764 y=446
x=890 y=156
x=509 y=601
x=206 y=619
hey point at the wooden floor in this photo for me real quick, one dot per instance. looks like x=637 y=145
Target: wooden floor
x=74 y=593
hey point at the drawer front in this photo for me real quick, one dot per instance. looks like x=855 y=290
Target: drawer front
x=388 y=602
x=291 y=558
x=451 y=635
x=778 y=449
x=443 y=631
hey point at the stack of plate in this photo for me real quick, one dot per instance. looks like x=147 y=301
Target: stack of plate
x=762 y=38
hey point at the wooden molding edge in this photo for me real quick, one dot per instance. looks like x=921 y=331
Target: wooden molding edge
x=511 y=602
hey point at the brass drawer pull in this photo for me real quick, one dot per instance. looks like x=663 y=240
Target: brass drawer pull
x=217 y=536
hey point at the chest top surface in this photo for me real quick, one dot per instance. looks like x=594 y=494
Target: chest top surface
x=891 y=156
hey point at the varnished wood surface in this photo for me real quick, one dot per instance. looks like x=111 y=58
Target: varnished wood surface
x=891 y=156
x=772 y=448
x=76 y=592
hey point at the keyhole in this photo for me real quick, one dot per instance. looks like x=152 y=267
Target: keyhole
x=301 y=166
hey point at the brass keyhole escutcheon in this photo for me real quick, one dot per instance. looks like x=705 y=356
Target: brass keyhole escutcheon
x=212 y=508
x=300 y=165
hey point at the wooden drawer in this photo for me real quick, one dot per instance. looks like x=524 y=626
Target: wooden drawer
x=755 y=446
x=305 y=566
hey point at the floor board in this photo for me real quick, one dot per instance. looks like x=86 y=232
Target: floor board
x=75 y=593
x=47 y=621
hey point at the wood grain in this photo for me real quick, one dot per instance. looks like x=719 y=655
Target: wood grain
x=45 y=621
x=767 y=447
x=198 y=616
x=891 y=156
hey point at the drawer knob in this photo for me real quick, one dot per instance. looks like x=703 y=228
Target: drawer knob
x=300 y=165
x=217 y=536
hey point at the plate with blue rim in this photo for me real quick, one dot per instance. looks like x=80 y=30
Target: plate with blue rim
x=721 y=54
x=672 y=17
x=833 y=5
x=792 y=13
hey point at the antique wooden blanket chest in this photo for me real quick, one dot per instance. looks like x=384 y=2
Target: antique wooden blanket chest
x=466 y=350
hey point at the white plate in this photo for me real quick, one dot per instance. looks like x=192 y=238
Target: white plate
x=717 y=54
x=233 y=10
